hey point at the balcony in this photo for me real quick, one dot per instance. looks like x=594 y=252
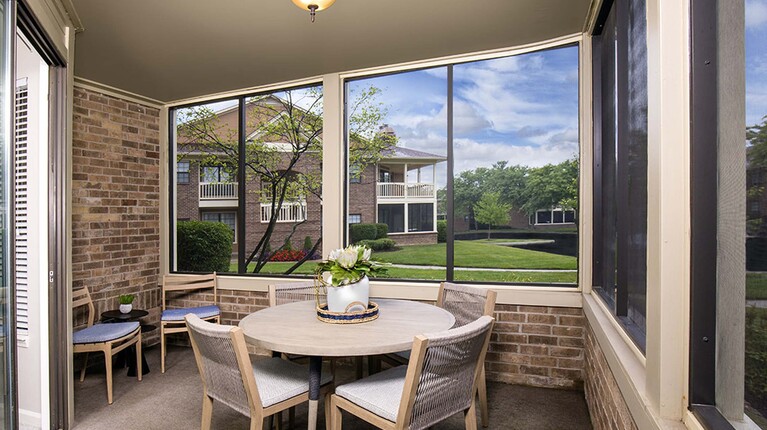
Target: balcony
x=402 y=190
x=218 y=190
x=289 y=212
x=218 y=195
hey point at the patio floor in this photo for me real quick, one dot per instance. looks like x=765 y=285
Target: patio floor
x=173 y=401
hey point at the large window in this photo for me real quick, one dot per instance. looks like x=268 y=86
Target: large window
x=255 y=164
x=620 y=164
x=508 y=129
x=756 y=212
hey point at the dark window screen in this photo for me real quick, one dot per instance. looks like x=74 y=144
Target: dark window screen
x=393 y=216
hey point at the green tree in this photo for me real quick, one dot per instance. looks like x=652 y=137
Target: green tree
x=283 y=151
x=757 y=139
x=552 y=185
x=492 y=211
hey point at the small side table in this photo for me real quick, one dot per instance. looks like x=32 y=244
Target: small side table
x=115 y=316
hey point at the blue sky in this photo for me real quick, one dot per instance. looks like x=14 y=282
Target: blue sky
x=521 y=109
x=756 y=61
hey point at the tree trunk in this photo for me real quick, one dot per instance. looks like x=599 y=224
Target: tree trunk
x=488 y=231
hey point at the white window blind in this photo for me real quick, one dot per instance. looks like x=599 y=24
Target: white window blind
x=21 y=205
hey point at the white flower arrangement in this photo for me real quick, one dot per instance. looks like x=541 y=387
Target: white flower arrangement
x=348 y=265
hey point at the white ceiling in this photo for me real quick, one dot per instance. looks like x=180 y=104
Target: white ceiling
x=175 y=49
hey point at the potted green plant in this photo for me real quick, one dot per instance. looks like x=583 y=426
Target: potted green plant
x=345 y=275
x=126 y=303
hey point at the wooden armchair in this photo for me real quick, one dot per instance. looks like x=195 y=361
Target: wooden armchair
x=107 y=338
x=255 y=388
x=172 y=320
x=439 y=381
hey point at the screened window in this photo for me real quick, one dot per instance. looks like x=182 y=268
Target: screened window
x=620 y=157
x=272 y=197
x=355 y=218
x=393 y=216
x=490 y=122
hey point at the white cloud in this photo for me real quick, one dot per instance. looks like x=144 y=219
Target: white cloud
x=756 y=13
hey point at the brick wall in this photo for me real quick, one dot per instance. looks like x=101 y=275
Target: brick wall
x=607 y=407
x=530 y=345
x=362 y=196
x=539 y=346
x=115 y=201
x=406 y=239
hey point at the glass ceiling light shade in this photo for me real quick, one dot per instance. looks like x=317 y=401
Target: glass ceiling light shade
x=313 y=5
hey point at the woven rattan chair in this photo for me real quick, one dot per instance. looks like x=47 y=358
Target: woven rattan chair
x=107 y=338
x=439 y=381
x=280 y=294
x=172 y=320
x=466 y=304
x=256 y=389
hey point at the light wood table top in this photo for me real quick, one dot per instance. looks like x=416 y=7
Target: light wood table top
x=293 y=328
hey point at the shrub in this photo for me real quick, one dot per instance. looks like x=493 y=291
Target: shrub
x=287 y=246
x=287 y=255
x=382 y=231
x=308 y=244
x=360 y=232
x=441 y=231
x=378 y=244
x=756 y=354
x=204 y=246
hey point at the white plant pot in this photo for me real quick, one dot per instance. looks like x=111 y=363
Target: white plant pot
x=126 y=308
x=339 y=298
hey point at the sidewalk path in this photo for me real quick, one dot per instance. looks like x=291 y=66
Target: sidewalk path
x=481 y=269
x=757 y=303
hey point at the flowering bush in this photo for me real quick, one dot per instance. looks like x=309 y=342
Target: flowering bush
x=287 y=255
x=349 y=265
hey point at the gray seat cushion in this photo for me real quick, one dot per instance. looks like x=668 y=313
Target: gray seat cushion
x=279 y=379
x=380 y=393
x=202 y=312
x=103 y=332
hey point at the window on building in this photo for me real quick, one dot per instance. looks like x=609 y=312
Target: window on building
x=212 y=174
x=228 y=218
x=355 y=174
x=553 y=216
x=355 y=218
x=182 y=172
x=620 y=157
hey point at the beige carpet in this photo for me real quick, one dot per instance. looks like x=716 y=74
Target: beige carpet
x=173 y=401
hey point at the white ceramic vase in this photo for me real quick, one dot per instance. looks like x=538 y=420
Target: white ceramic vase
x=339 y=298
x=126 y=308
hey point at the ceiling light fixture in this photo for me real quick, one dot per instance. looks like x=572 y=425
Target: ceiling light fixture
x=313 y=5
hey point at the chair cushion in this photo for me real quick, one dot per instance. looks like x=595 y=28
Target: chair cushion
x=179 y=314
x=380 y=393
x=103 y=332
x=279 y=380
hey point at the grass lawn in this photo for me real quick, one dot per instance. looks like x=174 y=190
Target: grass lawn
x=439 y=275
x=477 y=253
x=756 y=286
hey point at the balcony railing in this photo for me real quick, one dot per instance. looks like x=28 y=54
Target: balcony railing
x=289 y=212
x=218 y=190
x=394 y=190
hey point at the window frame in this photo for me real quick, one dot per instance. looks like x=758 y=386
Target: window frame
x=345 y=79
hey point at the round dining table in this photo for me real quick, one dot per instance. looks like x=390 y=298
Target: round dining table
x=293 y=328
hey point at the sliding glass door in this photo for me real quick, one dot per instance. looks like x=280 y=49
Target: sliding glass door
x=7 y=332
